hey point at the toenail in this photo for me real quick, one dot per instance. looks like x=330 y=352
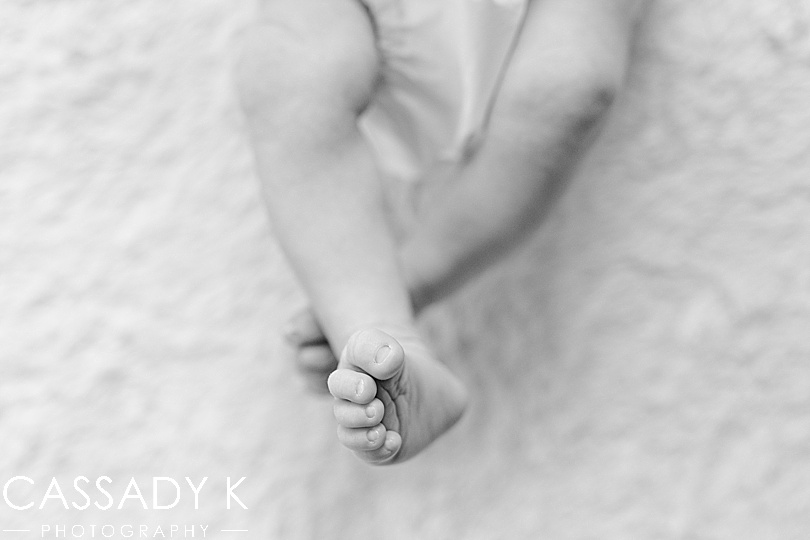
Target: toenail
x=370 y=412
x=372 y=435
x=382 y=354
x=361 y=385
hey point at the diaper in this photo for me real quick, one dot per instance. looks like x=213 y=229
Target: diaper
x=442 y=63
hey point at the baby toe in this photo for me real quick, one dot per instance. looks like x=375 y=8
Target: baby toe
x=374 y=352
x=352 y=415
x=362 y=439
x=385 y=453
x=352 y=386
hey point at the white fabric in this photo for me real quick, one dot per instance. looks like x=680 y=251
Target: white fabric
x=442 y=64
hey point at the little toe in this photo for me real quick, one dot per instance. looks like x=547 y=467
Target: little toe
x=352 y=386
x=374 y=352
x=385 y=453
x=362 y=439
x=352 y=415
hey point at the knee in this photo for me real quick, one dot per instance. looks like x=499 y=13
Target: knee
x=281 y=74
x=570 y=96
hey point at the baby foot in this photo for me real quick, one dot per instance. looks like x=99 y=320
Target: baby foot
x=393 y=398
x=312 y=354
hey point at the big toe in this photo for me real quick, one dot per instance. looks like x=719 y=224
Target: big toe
x=374 y=352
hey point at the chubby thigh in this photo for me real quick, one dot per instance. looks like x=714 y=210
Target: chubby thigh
x=311 y=57
x=442 y=62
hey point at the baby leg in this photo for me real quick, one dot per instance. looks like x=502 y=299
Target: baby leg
x=307 y=71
